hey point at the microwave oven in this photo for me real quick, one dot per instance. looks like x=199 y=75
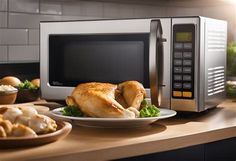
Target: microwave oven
x=181 y=61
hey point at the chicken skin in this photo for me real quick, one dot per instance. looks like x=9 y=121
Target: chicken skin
x=108 y=100
x=133 y=93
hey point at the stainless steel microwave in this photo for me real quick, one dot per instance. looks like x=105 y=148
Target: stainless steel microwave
x=181 y=61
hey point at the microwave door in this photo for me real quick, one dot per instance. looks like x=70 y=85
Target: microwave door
x=156 y=61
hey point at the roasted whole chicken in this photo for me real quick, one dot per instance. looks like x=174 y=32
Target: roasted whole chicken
x=108 y=100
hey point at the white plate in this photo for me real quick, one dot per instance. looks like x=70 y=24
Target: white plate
x=113 y=122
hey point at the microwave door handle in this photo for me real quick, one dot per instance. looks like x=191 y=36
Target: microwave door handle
x=156 y=61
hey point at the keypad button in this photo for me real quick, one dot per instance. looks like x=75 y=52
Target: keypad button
x=177 y=85
x=187 y=86
x=187 y=62
x=177 y=62
x=187 y=78
x=188 y=46
x=177 y=69
x=187 y=94
x=177 y=93
x=177 y=77
x=187 y=70
x=178 y=55
x=187 y=55
x=178 y=45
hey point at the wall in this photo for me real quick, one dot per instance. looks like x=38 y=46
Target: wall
x=19 y=22
x=19 y=19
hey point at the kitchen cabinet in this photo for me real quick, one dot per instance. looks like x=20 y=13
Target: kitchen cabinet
x=223 y=150
x=194 y=153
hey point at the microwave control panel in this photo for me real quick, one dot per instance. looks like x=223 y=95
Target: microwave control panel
x=183 y=61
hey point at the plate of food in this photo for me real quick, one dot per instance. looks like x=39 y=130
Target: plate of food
x=113 y=122
x=110 y=106
x=22 y=126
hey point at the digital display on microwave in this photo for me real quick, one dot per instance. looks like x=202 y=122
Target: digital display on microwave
x=184 y=36
x=78 y=59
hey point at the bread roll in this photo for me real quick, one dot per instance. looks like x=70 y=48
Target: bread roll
x=36 y=82
x=10 y=80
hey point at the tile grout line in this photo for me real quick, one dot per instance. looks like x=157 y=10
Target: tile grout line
x=7 y=52
x=7 y=13
x=28 y=43
x=39 y=6
x=8 y=8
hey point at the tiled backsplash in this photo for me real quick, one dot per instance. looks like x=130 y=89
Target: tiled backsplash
x=19 y=20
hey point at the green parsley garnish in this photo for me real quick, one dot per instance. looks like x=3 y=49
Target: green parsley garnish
x=72 y=111
x=148 y=110
x=27 y=85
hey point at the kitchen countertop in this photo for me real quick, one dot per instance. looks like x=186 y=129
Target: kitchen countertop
x=106 y=144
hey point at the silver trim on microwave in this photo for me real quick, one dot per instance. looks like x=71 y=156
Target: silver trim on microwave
x=156 y=62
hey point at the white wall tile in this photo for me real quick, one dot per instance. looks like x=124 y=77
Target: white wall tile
x=33 y=36
x=3 y=19
x=183 y=11
x=141 y=11
x=20 y=20
x=51 y=8
x=111 y=10
x=3 y=5
x=48 y=18
x=31 y=6
x=126 y=11
x=91 y=8
x=71 y=9
x=13 y=36
x=23 y=53
x=149 y=11
x=3 y=53
x=156 y=11
x=79 y=18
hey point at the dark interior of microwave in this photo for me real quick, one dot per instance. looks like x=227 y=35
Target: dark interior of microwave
x=75 y=59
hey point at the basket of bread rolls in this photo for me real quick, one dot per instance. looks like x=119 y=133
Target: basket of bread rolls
x=25 y=91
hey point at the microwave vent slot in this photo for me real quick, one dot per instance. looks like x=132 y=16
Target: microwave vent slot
x=216 y=80
x=216 y=40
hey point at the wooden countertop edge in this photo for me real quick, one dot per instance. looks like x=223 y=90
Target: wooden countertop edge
x=147 y=147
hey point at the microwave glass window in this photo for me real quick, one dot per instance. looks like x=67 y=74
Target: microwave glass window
x=184 y=36
x=78 y=59
x=118 y=60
